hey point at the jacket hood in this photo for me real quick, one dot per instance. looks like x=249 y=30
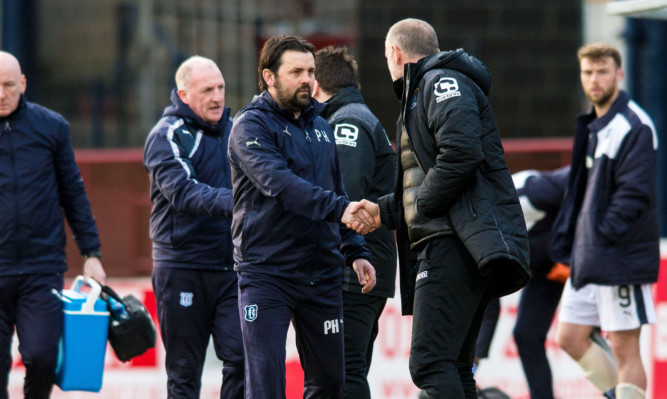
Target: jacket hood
x=180 y=109
x=265 y=102
x=346 y=95
x=457 y=60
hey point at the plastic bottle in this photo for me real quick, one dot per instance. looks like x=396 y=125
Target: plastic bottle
x=118 y=310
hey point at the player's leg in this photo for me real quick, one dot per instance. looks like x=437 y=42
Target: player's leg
x=623 y=310
x=577 y=319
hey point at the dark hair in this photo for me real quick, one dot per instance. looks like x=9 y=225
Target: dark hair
x=335 y=69
x=598 y=51
x=270 y=56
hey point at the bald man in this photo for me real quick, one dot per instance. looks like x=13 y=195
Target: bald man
x=193 y=277
x=454 y=206
x=39 y=183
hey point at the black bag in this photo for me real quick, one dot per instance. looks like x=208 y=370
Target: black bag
x=131 y=330
x=491 y=393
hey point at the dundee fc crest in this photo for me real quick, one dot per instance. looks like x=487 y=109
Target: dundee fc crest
x=250 y=312
x=186 y=299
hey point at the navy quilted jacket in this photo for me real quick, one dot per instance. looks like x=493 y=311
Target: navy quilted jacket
x=39 y=182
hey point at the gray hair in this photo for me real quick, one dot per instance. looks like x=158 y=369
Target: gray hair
x=415 y=38
x=185 y=69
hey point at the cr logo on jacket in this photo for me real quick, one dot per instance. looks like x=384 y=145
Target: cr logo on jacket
x=446 y=88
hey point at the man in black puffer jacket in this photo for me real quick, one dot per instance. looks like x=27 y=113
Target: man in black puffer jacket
x=454 y=206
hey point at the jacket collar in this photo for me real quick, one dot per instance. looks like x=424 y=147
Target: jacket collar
x=597 y=124
x=346 y=95
x=20 y=109
x=182 y=110
x=457 y=60
x=308 y=113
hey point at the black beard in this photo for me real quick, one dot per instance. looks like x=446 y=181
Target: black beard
x=294 y=101
x=604 y=100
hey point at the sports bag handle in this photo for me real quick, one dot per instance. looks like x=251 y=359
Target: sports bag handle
x=109 y=291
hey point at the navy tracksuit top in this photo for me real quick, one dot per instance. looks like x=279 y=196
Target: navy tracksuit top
x=288 y=195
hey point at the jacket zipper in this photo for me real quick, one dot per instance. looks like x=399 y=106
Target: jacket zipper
x=311 y=154
x=406 y=98
x=7 y=129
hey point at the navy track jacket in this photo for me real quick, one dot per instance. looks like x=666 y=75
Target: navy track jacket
x=186 y=159
x=288 y=195
x=607 y=228
x=39 y=181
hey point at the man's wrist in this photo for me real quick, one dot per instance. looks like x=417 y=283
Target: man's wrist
x=93 y=254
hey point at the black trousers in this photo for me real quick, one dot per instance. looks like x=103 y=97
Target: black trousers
x=449 y=306
x=193 y=306
x=26 y=301
x=488 y=329
x=537 y=306
x=361 y=313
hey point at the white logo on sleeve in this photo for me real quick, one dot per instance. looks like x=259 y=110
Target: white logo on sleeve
x=422 y=275
x=346 y=134
x=253 y=142
x=446 y=88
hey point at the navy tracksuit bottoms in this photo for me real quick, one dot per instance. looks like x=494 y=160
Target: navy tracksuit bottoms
x=267 y=304
x=361 y=313
x=192 y=306
x=27 y=303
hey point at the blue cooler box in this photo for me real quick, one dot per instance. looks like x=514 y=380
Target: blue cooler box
x=84 y=341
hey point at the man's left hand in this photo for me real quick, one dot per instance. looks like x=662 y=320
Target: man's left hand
x=366 y=273
x=92 y=268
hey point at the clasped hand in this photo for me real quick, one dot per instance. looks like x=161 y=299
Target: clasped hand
x=362 y=217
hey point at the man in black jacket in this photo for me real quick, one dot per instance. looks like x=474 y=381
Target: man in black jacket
x=40 y=182
x=193 y=274
x=454 y=205
x=367 y=164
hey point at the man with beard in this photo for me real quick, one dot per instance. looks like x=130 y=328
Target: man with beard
x=288 y=232
x=607 y=229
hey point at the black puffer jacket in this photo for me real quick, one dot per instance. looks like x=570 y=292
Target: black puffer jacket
x=453 y=134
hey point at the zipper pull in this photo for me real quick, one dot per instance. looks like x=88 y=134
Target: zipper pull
x=7 y=127
x=307 y=137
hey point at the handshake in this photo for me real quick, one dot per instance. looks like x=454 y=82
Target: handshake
x=362 y=217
